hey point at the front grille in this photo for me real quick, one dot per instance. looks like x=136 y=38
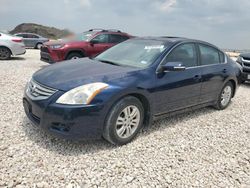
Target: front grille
x=37 y=91
x=44 y=49
x=245 y=58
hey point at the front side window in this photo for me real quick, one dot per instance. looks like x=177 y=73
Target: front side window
x=209 y=55
x=102 y=38
x=115 y=38
x=185 y=54
x=83 y=36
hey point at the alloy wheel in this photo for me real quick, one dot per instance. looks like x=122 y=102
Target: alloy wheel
x=128 y=121
x=4 y=53
x=226 y=95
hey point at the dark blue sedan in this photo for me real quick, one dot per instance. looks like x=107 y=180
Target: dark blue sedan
x=126 y=87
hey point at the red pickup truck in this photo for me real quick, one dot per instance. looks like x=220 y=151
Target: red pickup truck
x=86 y=44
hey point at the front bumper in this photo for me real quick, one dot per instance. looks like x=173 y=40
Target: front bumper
x=46 y=57
x=51 y=56
x=70 y=122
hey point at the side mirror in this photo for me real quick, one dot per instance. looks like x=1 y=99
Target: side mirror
x=93 y=41
x=173 y=66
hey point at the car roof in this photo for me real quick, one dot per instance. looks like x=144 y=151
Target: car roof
x=27 y=33
x=110 y=31
x=175 y=40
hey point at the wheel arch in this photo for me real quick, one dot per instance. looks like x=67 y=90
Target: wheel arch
x=145 y=103
x=7 y=48
x=234 y=86
x=82 y=52
x=38 y=43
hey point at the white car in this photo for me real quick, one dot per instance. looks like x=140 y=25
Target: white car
x=10 y=46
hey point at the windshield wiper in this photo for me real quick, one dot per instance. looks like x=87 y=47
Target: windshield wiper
x=109 y=62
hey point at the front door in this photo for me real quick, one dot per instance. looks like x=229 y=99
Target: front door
x=99 y=44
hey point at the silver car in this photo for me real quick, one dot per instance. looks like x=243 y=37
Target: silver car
x=10 y=46
x=32 y=40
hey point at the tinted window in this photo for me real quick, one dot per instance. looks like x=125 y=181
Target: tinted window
x=32 y=36
x=103 y=38
x=209 y=55
x=25 y=36
x=185 y=54
x=123 y=38
x=115 y=38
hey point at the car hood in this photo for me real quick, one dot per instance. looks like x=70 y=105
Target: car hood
x=64 y=41
x=70 y=74
x=245 y=55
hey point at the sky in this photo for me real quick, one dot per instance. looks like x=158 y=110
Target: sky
x=225 y=23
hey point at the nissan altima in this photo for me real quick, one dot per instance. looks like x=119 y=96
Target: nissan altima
x=115 y=94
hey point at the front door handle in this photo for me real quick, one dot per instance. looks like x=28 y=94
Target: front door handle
x=224 y=71
x=197 y=77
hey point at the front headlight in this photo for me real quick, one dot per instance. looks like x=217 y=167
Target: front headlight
x=57 y=46
x=83 y=94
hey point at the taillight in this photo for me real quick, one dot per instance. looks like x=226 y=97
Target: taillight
x=17 y=40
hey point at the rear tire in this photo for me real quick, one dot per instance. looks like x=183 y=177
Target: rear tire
x=225 y=96
x=5 y=53
x=74 y=55
x=124 y=121
x=39 y=45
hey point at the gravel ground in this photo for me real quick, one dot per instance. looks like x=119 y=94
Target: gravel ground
x=202 y=148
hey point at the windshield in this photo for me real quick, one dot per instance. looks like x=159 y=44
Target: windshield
x=84 y=36
x=136 y=53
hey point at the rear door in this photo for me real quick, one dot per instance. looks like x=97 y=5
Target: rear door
x=176 y=90
x=214 y=72
x=32 y=40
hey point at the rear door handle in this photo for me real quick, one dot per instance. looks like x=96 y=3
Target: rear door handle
x=224 y=71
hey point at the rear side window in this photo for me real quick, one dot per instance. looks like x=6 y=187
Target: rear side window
x=185 y=53
x=209 y=55
x=115 y=38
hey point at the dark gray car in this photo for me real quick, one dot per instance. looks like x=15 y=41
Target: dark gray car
x=32 y=40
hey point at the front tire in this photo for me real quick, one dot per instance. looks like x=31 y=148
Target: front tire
x=4 y=53
x=225 y=96
x=124 y=121
x=74 y=56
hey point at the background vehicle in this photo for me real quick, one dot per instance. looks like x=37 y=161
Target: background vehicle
x=87 y=44
x=10 y=45
x=32 y=40
x=114 y=94
x=244 y=61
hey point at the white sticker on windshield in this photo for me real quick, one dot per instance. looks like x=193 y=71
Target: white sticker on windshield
x=144 y=62
x=154 y=47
